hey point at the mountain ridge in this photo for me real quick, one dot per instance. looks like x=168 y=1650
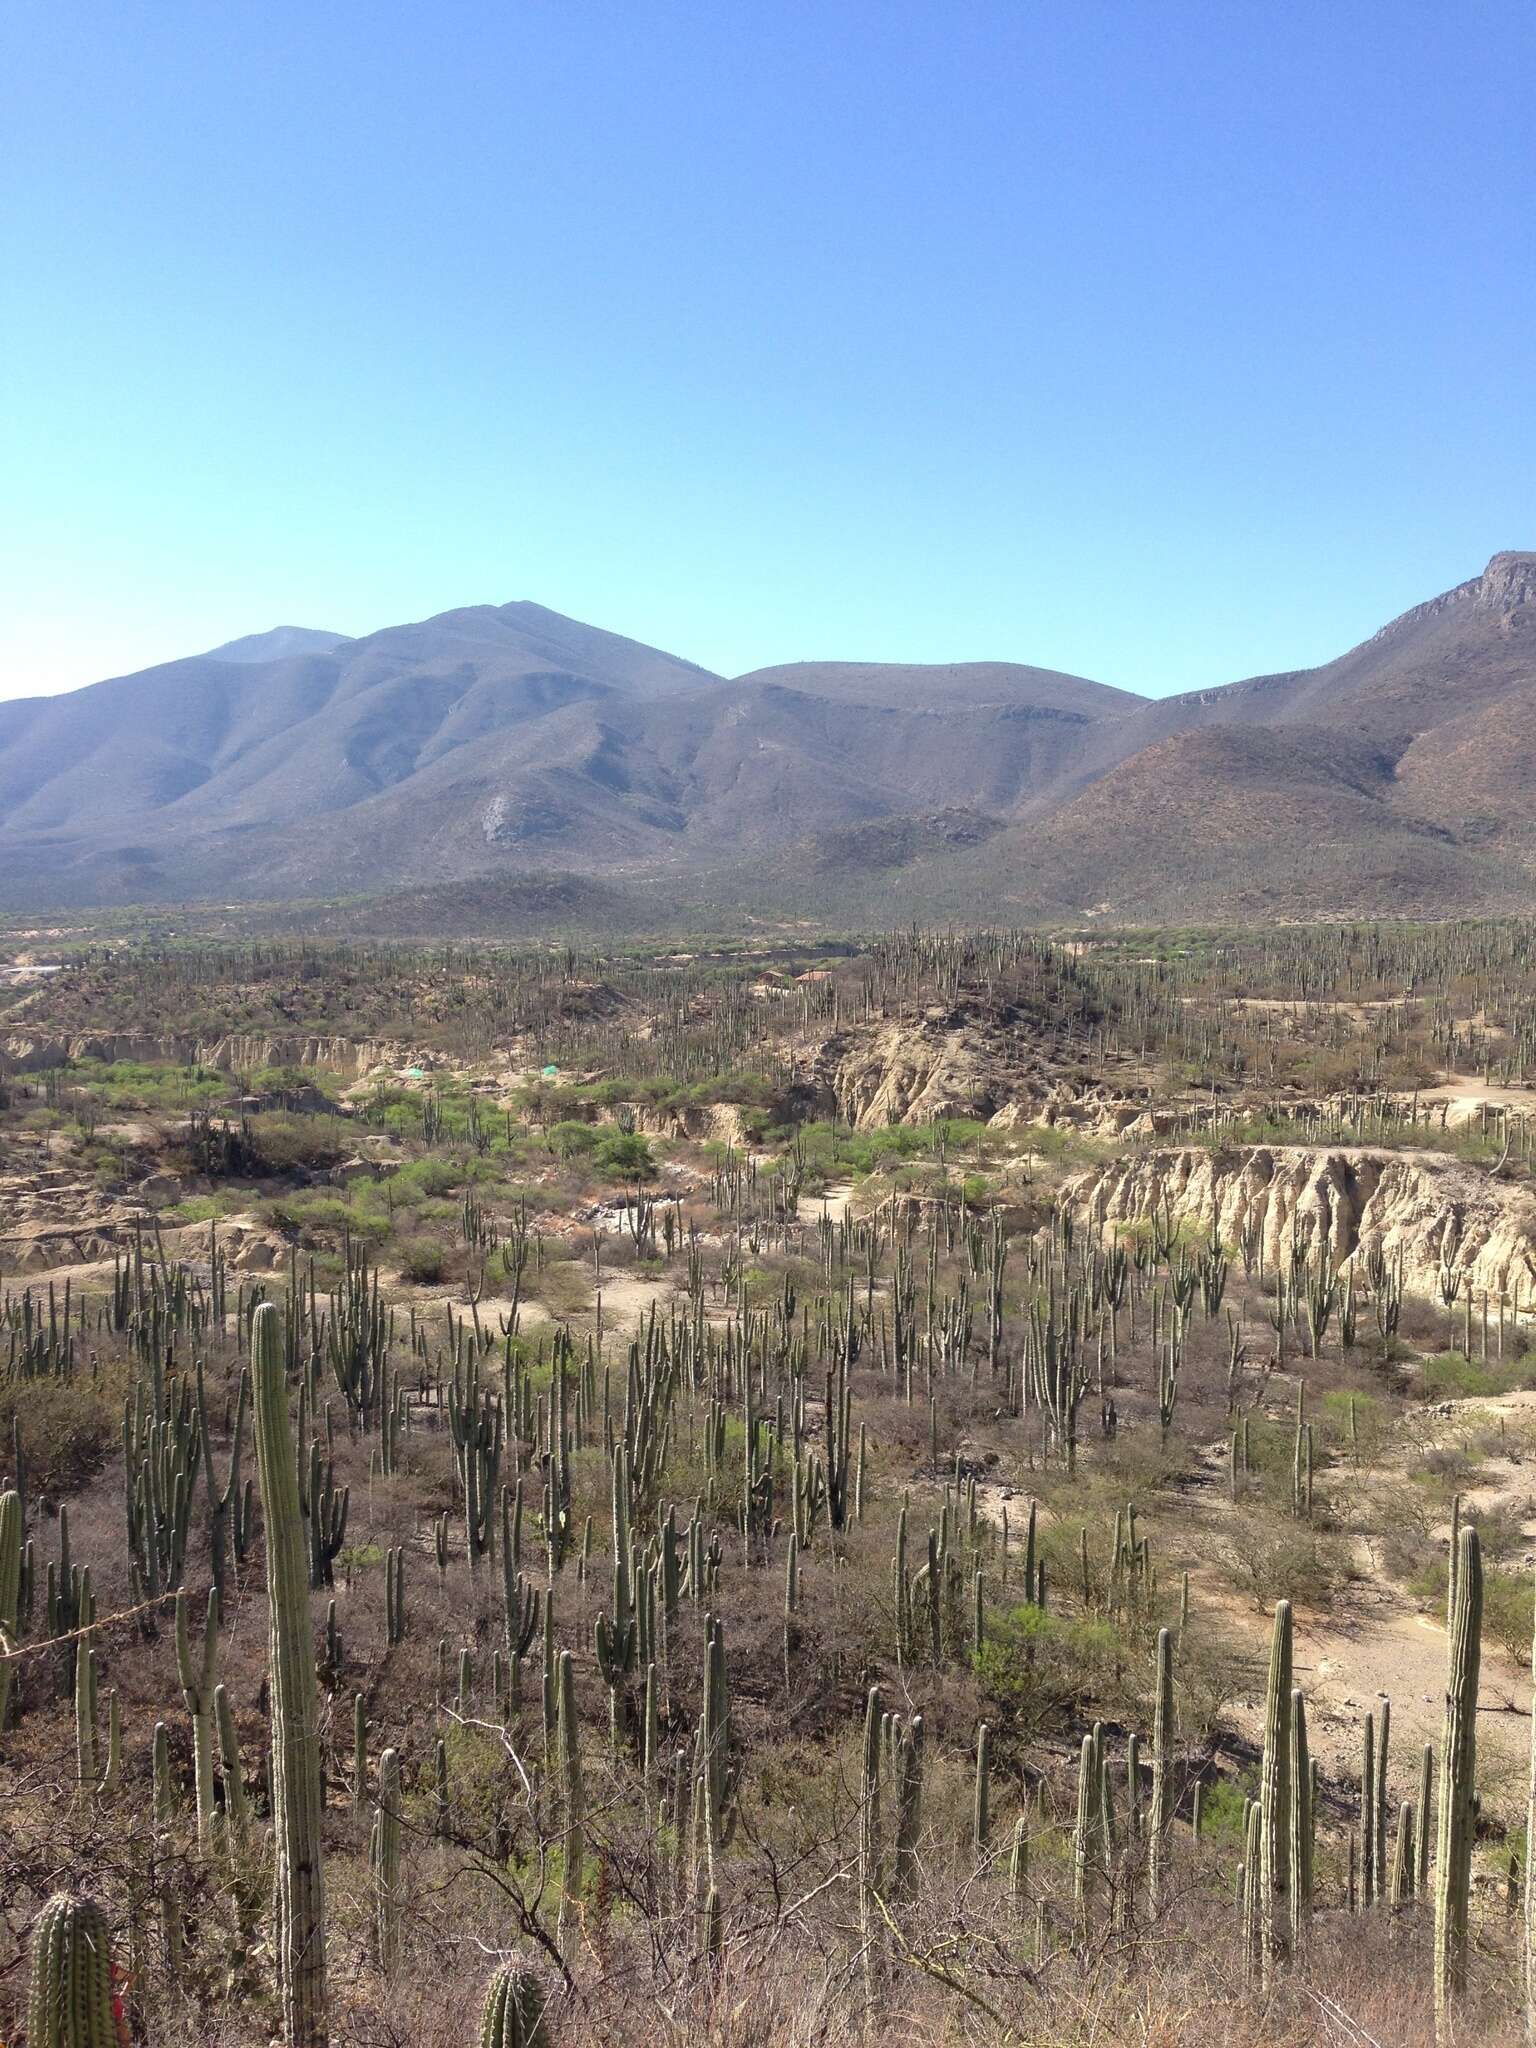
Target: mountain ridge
x=509 y=740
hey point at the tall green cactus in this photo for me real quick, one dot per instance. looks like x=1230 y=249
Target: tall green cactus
x=1403 y=1853
x=164 y=1784
x=617 y=1638
x=70 y=2000
x=515 y=2002
x=1162 y=1776
x=296 y=1806
x=909 y=1806
x=197 y=1688
x=981 y=1801
x=568 y=1745
x=10 y=1590
x=237 y=1807
x=1275 y=1797
x=1301 y=1819
x=1018 y=1866
x=1458 y=1767
x=870 y=1852
x=1380 y=1829
x=1082 y=1835
x=384 y=1863
x=96 y=1777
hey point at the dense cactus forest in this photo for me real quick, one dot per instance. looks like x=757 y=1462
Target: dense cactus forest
x=959 y=1487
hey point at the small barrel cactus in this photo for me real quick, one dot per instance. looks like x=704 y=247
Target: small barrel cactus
x=71 y=2002
x=514 y=2010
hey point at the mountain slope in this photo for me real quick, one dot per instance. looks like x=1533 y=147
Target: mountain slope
x=502 y=741
x=941 y=686
x=277 y=645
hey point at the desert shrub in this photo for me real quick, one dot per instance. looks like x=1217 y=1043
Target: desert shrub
x=285 y=1141
x=312 y=1212
x=624 y=1155
x=569 y=1140
x=564 y=1286
x=1452 y=1376
x=1224 y=1810
x=66 y=1430
x=1297 y=1561
x=1034 y=1664
x=423 y=1261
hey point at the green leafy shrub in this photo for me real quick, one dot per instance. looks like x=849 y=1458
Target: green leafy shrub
x=1451 y=1376
x=624 y=1155
x=423 y=1261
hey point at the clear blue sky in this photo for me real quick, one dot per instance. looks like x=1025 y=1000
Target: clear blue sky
x=1162 y=342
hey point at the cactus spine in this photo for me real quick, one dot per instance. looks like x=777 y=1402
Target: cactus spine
x=300 y=1890
x=70 y=2005
x=1458 y=1762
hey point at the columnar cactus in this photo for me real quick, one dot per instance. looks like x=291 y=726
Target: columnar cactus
x=10 y=1589
x=237 y=1808
x=70 y=2001
x=1458 y=1764
x=981 y=1803
x=300 y=1890
x=164 y=1783
x=1082 y=1834
x=869 y=1850
x=909 y=1806
x=1301 y=1819
x=1275 y=1797
x=568 y=1744
x=394 y=1593
x=513 y=2017
x=1403 y=1849
x=197 y=1688
x=1018 y=1866
x=1380 y=1829
x=384 y=1862
x=96 y=1777
x=1425 y=1809
x=1162 y=1777
x=1250 y=1885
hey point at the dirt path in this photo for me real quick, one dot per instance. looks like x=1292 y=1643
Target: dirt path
x=1467 y=1096
x=833 y=1203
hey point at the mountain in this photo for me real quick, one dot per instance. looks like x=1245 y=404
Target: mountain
x=444 y=761
x=921 y=685
x=277 y=645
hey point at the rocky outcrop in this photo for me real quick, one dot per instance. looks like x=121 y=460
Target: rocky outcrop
x=234 y=1053
x=723 y=1122
x=1419 y=1206
x=949 y=1063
